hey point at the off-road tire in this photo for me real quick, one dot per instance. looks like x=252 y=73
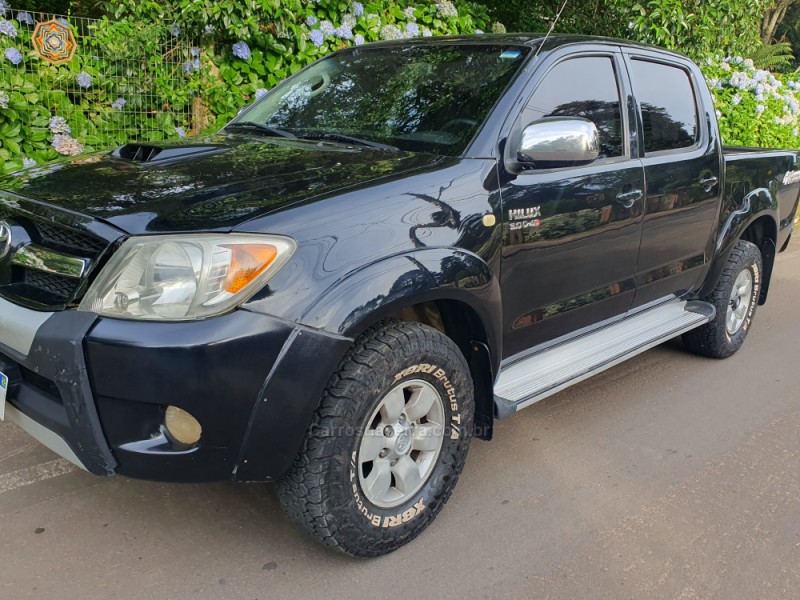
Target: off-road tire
x=322 y=491
x=713 y=339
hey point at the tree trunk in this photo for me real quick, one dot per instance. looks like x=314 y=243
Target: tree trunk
x=772 y=18
x=200 y=116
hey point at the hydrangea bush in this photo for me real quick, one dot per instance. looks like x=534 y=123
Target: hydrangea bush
x=98 y=100
x=244 y=49
x=250 y=47
x=754 y=107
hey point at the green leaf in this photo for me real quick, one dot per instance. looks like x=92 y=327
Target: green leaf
x=12 y=165
x=11 y=145
x=9 y=131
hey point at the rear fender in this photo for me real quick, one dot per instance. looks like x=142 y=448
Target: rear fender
x=757 y=204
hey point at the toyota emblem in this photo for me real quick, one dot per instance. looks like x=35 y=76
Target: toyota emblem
x=5 y=239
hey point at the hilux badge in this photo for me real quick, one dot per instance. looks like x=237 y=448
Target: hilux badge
x=524 y=218
x=520 y=214
x=5 y=239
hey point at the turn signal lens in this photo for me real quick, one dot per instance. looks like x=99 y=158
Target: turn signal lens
x=182 y=426
x=248 y=262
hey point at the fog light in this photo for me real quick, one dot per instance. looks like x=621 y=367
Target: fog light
x=182 y=426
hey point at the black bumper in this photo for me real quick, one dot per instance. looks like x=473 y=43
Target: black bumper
x=102 y=385
x=50 y=387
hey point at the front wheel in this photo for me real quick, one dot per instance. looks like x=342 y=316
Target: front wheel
x=735 y=298
x=387 y=444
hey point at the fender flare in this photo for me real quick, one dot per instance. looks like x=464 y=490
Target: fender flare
x=757 y=204
x=365 y=296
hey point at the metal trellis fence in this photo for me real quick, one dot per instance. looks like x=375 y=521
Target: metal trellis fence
x=96 y=82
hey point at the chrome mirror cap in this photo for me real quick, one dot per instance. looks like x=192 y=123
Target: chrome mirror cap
x=559 y=142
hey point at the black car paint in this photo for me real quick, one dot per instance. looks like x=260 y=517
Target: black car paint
x=754 y=196
x=252 y=371
x=232 y=178
x=377 y=231
x=681 y=204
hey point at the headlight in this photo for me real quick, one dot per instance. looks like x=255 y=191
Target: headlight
x=181 y=277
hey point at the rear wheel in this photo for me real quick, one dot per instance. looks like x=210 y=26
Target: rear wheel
x=735 y=298
x=387 y=444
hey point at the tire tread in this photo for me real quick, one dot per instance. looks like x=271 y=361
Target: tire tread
x=709 y=340
x=301 y=490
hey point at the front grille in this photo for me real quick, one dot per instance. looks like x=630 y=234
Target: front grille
x=44 y=285
x=60 y=288
x=61 y=237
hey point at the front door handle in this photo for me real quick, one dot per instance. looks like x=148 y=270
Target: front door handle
x=628 y=199
x=709 y=183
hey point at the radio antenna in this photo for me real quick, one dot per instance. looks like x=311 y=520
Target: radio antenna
x=552 y=27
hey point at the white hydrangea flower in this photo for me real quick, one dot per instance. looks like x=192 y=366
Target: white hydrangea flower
x=391 y=32
x=447 y=9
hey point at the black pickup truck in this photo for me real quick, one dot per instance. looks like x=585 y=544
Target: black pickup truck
x=358 y=274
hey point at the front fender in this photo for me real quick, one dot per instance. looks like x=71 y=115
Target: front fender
x=382 y=288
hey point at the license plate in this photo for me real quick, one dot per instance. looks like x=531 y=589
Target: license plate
x=3 y=392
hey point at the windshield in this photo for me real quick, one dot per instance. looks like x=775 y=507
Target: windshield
x=427 y=98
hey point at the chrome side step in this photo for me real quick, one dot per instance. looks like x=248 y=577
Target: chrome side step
x=545 y=373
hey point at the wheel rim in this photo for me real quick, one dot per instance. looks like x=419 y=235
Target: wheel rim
x=401 y=443
x=739 y=305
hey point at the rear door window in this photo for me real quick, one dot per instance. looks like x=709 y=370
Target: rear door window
x=669 y=109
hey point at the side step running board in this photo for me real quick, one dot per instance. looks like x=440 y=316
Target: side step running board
x=545 y=373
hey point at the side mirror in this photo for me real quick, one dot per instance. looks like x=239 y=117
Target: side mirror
x=555 y=142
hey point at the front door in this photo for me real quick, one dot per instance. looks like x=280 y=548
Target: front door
x=572 y=234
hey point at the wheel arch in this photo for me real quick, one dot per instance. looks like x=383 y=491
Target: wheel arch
x=461 y=323
x=451 y=290
x=763 y=233
x=756 y=221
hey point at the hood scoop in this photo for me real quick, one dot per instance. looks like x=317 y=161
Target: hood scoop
x=146 y=153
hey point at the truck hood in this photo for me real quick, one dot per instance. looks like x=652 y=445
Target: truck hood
x=210 y=183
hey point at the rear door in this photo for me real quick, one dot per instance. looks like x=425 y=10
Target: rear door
x=681 y=155
x=572 y=234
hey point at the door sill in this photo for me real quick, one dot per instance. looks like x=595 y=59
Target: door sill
x=553 y=369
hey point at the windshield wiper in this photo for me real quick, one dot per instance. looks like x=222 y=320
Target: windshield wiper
x=260 y=127
x=340 y=137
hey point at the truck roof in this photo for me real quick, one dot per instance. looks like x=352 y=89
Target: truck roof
x=533 y=40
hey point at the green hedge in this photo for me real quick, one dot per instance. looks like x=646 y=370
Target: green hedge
x=115 y=89
x=250 y=46
x=243 y=47
x=754 y=107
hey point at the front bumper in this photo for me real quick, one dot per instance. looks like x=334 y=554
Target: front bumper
x=95 y=391
x=49 y=393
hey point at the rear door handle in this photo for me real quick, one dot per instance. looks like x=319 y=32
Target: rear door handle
x=709 y=183
x=628 y=199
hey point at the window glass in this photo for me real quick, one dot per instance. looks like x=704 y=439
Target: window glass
x=669 y=112
x=427 y=98
x=582 y=87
